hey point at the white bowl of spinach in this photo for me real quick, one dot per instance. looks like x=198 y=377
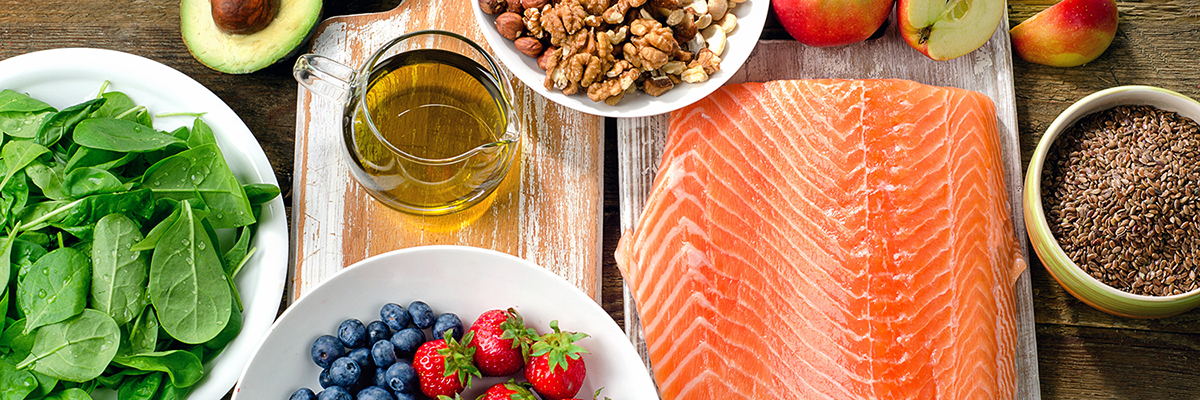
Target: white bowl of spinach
x=144 y=229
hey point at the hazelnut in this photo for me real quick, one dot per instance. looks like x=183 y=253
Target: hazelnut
x=510 y=25
x=529 y=46
x=515 y=6
x=492 y=7
x=543 y=61
x=243 y=16
x=534 y=3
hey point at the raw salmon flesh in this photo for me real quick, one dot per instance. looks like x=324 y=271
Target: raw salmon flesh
x=829 y=239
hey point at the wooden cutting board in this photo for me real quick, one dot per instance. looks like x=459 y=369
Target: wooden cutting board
x=987 y=70
x=548 y=211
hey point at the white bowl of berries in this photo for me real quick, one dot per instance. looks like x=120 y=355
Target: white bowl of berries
x=374 y=331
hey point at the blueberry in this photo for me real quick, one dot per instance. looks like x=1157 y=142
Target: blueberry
x=395 y=316
x=326 y=349
x=335 y=393
x=353 y=333
x=383 y=353
x=422 y=315
x=377 y=330
x=381 y=377
x=375 y=393
x=303 y=394
x=344 y=372
x=405 y=396
x=325 y=380
x=448 y=322
x=401 y=377
x=363 y=358
x=407 y=341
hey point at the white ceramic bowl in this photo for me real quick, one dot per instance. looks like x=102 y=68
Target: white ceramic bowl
x=751 y=15
x=464 y=280
x=1083 y=286
x=64 y=77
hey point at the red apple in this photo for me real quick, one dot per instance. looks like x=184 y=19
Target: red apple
x=1067 y=34
x=948 y=29
x=825 y=23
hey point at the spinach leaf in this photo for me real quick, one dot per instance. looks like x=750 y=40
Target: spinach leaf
x=47 y=179
x=102 y=159
x=85 y=182
x=15 y=384
x=22 y=255
x=12 y=101
x=120 y=135
x=202 y=170
x=225 y=337
x=241 y=248
x=77 y=349
x=118 y=274
x=46 y=384
x=21 y=115
x=89 y=210
x=70 y=394
x=171 y=392
x=188 y=286
x=13 y=197
x=143 y=334
x=17 y=155
x=156 y=233
x=200 y=135
x=55 y=288
x=116 y=104
x=182 y=367
x=63 y=122
x=260 y=193
x=18 y=343
x=140 y=388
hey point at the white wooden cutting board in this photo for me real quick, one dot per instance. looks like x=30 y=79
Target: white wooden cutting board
x=987 y=70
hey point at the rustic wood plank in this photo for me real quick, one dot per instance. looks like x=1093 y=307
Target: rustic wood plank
x=987 y=70
x=1100 y=363
x=549 y=211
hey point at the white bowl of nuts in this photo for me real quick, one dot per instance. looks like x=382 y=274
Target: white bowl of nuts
x=622 y=58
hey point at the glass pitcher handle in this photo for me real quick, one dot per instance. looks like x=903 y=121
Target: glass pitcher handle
x=324 y=76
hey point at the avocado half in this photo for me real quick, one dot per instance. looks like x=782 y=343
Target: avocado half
x=291 y=28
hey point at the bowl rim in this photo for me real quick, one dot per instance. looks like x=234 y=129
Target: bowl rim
x=1035 y=217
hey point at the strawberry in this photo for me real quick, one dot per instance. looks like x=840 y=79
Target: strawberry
x=556 y=367
x=501 y=342
x=444 y=366
x=510 y=390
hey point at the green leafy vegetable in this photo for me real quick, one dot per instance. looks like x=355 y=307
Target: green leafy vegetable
x=182 y=367
x=202 y=172
x=188 y=287
x=77 y=349
x=55 y=288
x=119 y=274
x=121 y=135
x=89 y=301
x=63 y=122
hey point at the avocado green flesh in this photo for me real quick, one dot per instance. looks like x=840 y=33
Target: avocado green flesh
x=241 y=54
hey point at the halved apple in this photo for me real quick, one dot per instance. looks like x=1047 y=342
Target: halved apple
x=1068 y=34
x=948 y=29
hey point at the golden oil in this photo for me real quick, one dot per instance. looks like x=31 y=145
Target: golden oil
x=442 y=136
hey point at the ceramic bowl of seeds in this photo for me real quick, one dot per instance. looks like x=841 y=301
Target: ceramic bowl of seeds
x=1112 y=201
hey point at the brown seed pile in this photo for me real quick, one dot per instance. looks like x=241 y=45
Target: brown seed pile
x=1120 y=194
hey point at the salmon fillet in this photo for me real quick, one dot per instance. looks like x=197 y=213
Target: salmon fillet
x=829 y=239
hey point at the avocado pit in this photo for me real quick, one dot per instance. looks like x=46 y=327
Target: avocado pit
x=241 y=17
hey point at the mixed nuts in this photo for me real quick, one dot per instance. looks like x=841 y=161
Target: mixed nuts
x=608 y=48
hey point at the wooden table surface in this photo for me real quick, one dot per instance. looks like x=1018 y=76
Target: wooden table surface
x=1083 y=353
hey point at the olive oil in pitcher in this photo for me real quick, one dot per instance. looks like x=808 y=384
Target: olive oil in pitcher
x=441 y=134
